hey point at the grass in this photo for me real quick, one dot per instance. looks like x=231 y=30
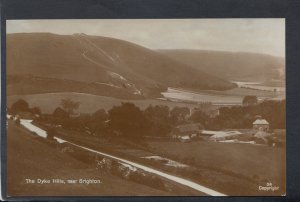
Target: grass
x=258 y=163
x=234 y=169
x=236 y=92
x=30 y=157
x=89 y=103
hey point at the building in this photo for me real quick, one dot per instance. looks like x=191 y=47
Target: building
x=221 y=135
x=261 y=124
x=185 y=138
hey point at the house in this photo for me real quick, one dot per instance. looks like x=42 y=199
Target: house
x=261 y=124
x=190 y=130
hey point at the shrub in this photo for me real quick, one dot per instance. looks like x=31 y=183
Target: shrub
x=18 y=121
x=51 y=132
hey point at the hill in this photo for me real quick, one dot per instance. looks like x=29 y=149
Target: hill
x=114 y=64
x=49 y=163
x=232 y=65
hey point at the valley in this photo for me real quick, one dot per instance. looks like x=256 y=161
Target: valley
x=145 y=122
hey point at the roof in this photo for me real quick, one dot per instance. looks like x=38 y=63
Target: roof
x=217 y=134
x=185 y=137
x=261 y=122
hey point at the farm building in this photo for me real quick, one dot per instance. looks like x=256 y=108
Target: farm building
x=261 y=124
x=221 y=135
x=185 y=138
x=191 y=130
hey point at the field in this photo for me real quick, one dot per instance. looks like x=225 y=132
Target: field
x=232 y=96
x=24 y=162
x=256 y=162
x=90 y=103
x=233 y=169
x=267 y=86
x=48 y=102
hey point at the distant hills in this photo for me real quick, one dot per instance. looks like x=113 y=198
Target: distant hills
x=44 y=62
x=232 y=65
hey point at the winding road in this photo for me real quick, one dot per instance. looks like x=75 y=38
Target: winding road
x=40 y=132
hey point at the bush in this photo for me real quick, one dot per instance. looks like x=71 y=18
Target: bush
x=17 y=121
x=19 y=106
x=51 y=132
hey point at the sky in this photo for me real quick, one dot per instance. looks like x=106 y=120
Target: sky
x=237 y=35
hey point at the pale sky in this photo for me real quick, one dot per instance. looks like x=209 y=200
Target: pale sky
x=237 y=35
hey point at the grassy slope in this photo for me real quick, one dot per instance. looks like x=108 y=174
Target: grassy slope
x=231 y=65
x=31 y=85
x=267 y=163
x=65 y=57
x=231 y=177
x=242 y=92
x=30 y=157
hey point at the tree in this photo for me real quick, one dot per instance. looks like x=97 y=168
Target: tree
x=250 y=100
x=100 y=115
x=60 y=113
x=128 y=120
x=159 y=112
x=69 y=106
x=178 y=114
x=51 y=132
x=243 y=116
x=19 y=106
x=35 y=110
x=97 y=123
x=158 y=120
x=199 y=117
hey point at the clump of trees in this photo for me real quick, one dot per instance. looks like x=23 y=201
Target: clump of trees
x=128 y=120
x=158 y=120
x=21 y=106
x=69 y=105
x=200 y=117
x=250 y=100
x=131 y=123
x=243 y=116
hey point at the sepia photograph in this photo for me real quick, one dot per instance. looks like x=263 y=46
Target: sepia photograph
x=146 y=107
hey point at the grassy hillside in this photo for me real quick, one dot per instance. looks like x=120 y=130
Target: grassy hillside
x=95 y=59
x=249 y=162
x=29 y=157
x=21 y=84
x=232 y=65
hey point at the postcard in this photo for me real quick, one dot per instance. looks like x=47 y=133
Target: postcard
x=146 y=107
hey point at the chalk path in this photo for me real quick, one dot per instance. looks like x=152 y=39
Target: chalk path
x=42 y=133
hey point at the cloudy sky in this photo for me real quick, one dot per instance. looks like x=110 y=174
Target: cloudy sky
x=245 y=35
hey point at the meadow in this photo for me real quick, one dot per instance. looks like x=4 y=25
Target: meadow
x=49 y=163
x=259 y=163
x=232 y=96
x=89 y=103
